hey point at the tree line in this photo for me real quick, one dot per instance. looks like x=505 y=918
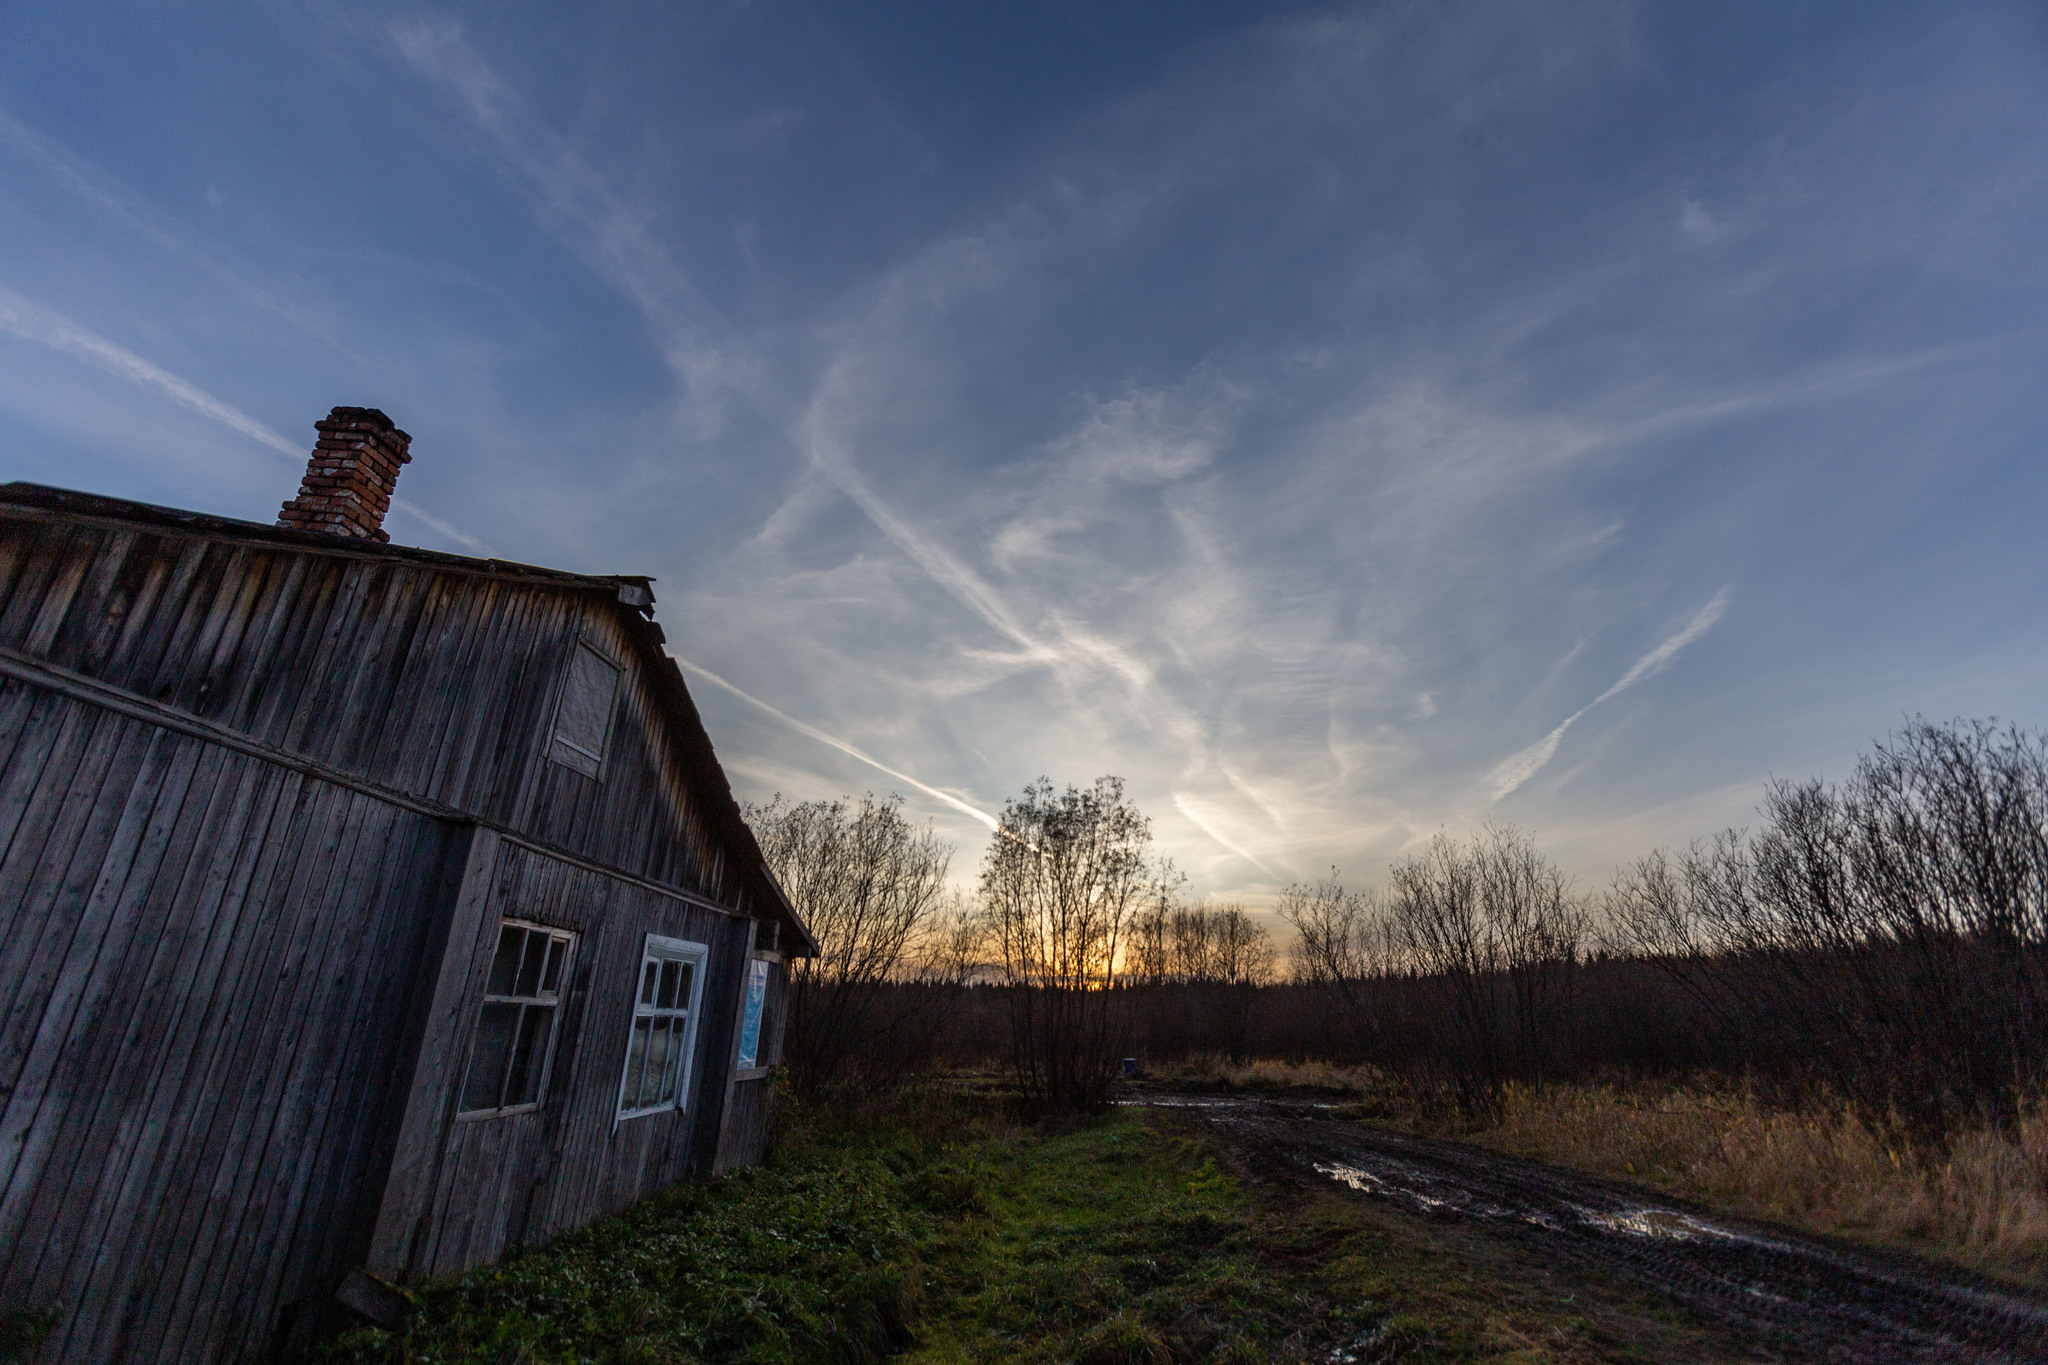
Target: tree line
x=1883 y=940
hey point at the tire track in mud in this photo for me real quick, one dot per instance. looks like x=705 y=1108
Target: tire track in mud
x=1816 y=1296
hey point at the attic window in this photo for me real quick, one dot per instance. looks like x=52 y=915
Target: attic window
x=583 y=721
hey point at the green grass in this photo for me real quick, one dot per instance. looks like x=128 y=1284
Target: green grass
x=1124 y=1239
x=1109 y=1242
x=813 y=1259
x=22 y=1329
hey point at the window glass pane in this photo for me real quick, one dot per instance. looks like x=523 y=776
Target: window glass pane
x=658 y=1056
x=529 y=967
x=488 y=1055
x=551 y=978
x=675 y=1063
x=657 y=1064
x=505 y=966
x=529 y=1056
x=636 y=1062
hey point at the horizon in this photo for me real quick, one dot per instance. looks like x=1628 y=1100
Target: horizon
x=1341 y=422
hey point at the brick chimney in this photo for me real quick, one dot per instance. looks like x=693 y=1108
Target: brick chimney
x=348 y=482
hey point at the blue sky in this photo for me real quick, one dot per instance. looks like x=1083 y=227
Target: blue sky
x=1342 y=422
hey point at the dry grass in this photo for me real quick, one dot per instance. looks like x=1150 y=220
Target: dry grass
x=1984 y=1204
x=1269 y=1074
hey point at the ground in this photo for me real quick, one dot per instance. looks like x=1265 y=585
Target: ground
x=1138 y=1236
x=1773 y=1290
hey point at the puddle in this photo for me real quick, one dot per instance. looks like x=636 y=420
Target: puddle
x=1353 y=1351
x=1635 y=1220
x=1643 y=1221
x=1175 y=1102
x=1862 y=1308
x=1363 y=1181
x=1414 y=1189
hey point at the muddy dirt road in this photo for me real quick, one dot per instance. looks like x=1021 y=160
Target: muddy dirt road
x=1817 y=1298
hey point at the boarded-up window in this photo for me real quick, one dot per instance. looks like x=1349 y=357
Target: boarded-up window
x=664 y=1027
x=515 y=1031
x=583 y=721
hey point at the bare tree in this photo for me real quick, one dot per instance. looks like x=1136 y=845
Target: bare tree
x=1193 y=945
x=872 y=887
x=1240 y=950
x=1064 y=877
x=1887 y=938
x=953 y=949
x=1149 y=950
x=1343 y=941
x=1495 y=925
x=1239 y=961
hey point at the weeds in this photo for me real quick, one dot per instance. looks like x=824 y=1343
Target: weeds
x=945 y=1231
x=1274 y=1074
x=807 y=1260
x=23 y=1329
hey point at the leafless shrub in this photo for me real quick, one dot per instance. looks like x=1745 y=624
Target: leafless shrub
x=1887 y=938
x=1193 y=972
x=1344 y=943
x=1495 y=926
x=1064 y=877
x=872 y=888
x=952 y=950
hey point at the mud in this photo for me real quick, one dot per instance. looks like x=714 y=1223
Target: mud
x=1817 y=1297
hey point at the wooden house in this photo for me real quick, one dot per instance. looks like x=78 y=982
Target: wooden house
x=363 y=911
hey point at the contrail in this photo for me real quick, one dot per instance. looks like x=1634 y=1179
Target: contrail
x=1523 y=766
x=1187 y=808
x=33 y=322
x=815 y=733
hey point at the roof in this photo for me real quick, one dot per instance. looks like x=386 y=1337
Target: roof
x=629 y=594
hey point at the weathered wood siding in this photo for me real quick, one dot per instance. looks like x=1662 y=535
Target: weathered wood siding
x=206 y=964
x=261 y=808
x=431 y=681
x=462 y=1190
x=744 y=1139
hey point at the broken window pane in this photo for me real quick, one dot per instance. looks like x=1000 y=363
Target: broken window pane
x=515 y=1030
x=487 y=1058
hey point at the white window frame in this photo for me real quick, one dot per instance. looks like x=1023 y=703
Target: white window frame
x=653 y=951
x=554 y=1001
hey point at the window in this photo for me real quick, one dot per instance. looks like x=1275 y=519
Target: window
x=583 y=721
x=515 y=1032
x=664 y=1027
x=753 y=1015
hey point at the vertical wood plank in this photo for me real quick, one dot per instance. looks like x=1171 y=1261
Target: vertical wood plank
x=45 y=1040
x=195 y=1116
x=177 y=997
x=434 y=1092
x=95 y=1065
